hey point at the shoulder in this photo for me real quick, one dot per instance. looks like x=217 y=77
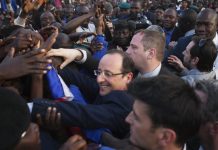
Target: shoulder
x=185 y=39
x=119 y=96
x=165 y=71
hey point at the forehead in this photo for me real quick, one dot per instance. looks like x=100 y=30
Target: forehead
x=137 y=38
x=206 y=17
x=136 y=4
x=141 y=109
x=190 y=45
x=123 y=30
x=159 y=10
x=170 y=12
x=46 y=14
x=111 y=62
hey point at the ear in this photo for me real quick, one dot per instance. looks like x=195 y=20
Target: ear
x=195 y=61
x=129 y=77
x=168 y=137
x=151 y=53
x=214 y=128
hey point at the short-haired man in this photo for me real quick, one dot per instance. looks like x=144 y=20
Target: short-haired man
x=146 y=50
x=108 y=103
x=199 y=57
x=169 y=23
x=163 y=118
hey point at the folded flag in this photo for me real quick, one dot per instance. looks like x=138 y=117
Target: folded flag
x=57 y=87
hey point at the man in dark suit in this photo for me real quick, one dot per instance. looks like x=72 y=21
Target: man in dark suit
x=108 y=103
x=146 y=50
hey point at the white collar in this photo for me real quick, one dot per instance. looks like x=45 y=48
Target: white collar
x=190 y=32
x=215 y=40
x=153 y=73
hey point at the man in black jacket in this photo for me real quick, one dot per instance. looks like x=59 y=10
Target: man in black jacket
x=108 y=103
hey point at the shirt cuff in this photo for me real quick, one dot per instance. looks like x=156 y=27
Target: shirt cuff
x=20 y=21
x=84 y=53
x=30 y=106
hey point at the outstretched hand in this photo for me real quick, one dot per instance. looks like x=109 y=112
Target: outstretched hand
x=176 y=63
x=75 y=142
x=52 y=119
x=68 y=55
x=29 y=63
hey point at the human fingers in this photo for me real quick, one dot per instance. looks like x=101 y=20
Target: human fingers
x=79 y=145
x=47 y=116
x=65 y=63
x=51 y=40
x=39 y=119
x=56 y=52
x=58 y=121
x=34 y=53
x=53 y=116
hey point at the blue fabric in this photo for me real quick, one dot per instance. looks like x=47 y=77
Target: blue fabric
x=100 y=53
x=97 y=54
x=14 y=5
x=3 y=6
x=54 y=84
x=106 y=148
x=78 y=97
x=168 y=35
x=95 y=134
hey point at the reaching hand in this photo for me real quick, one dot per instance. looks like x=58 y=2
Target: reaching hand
x=75 y=142
x=51 y=39
x=176 y=62
x=171 y=45
x=29 y=5
x=52 y=119
x=13 y=67
x=25 y=39
x=96 y=45
x=31 y=140
x=68 y=55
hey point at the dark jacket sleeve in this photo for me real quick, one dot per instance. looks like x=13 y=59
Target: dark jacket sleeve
x=178 y=50
x=87 y=85
x=108 y=112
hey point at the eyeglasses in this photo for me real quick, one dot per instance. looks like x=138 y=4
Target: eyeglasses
x=202 y=42
x=106 y=74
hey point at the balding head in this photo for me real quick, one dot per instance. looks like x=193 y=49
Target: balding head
x=206 y=23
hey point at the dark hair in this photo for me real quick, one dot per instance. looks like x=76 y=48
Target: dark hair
x=15 y=118
x=210 y=106
x=123 y=24
x=172 y=104
x=128 y=64
x=206 y=51
x=188 y=19
x=153 y=39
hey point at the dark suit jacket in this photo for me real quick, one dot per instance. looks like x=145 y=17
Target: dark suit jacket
x=193 y=144
x=180 y=47
x=177 y=51
x=107 y=111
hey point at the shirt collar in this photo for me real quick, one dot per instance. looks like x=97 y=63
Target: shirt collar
x=215 y=40
x=154 y=73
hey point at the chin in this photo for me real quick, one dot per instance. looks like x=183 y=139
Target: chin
x=102 y=93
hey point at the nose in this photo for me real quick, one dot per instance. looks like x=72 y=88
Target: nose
x=129 y=118
x=201 y=27
x=100 y=78
x=128 y=50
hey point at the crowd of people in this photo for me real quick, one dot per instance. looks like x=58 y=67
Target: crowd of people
x=109 y=75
